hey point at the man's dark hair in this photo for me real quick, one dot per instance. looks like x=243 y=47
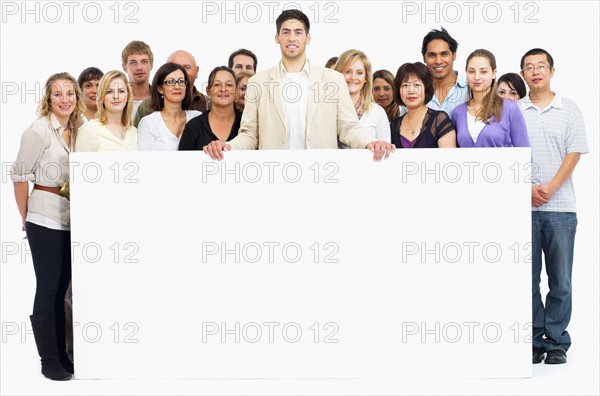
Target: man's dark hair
x=293 y=14
x=537 y=51
x=242 y=51
x=439 y=35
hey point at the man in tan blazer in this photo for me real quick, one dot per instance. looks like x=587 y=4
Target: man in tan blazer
x=297 y=105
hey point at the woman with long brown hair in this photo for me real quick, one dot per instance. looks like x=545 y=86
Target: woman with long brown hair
x=487 y=120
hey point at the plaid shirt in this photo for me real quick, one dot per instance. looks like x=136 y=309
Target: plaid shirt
x=554 y=132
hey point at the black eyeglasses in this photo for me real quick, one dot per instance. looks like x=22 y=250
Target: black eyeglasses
x=171 y=82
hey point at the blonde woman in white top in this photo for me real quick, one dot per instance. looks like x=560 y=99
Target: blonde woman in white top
x=46 y=145
x=113 y=129
x=356 y=68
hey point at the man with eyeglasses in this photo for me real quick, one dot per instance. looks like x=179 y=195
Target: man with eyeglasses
x=557 y=136
x=297 y=105
x=198 y=102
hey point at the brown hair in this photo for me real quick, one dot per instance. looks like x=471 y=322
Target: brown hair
x=492 y=103
x=392 y=110
x=136 y=47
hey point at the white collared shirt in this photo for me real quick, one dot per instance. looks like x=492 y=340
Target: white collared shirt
x=294 y=90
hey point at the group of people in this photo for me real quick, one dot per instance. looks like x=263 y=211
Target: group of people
x=343 y=105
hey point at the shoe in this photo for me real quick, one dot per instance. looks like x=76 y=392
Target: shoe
x=44 y=332
x=538 y=355
x=67 y=364
x=556 y=356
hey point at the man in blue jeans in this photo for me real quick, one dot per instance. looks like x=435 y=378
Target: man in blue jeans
x=557 y=135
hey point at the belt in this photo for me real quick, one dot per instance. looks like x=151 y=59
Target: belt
x=54 y=190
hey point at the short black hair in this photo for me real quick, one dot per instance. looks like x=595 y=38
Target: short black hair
x=419 y=70
x=242 y=51
x=439 y=35
x=537 y=51
x=89 y=74
x=157 y=102
x=292 y=14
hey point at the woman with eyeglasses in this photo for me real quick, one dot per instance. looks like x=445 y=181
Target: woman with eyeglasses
x=170 y=99
x=112 y=130
x=45 y=214
x=222 y=121
x=487 y=120
x=420 y=127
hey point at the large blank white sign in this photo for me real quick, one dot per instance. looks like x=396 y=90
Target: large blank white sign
x=302 y=264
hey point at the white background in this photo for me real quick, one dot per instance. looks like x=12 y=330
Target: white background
x=32 y=50
x=370 y=283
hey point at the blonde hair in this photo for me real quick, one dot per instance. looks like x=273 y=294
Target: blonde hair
x=44 y=108
x=345 y=61
x=103 y=87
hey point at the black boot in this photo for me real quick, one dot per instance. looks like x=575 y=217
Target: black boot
x=44 y=331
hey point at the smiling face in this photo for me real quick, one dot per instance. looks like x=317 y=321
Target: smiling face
x=292 y=39
x=223 y=89
x=383 y=92
x=63 y=99
x=412 y=92
x=243 y=63
x=116 y=96
x=537 y=72
x=439 y=59
x=173 y=93
x=480 y=74
x=355 y=77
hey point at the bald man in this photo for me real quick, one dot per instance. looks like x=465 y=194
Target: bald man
x=199 y=102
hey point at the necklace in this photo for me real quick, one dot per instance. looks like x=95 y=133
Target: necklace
x=412 y=128
x=359 y=108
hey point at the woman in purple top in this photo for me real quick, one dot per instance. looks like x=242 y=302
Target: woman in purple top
x=420 y=127
x=487 y=120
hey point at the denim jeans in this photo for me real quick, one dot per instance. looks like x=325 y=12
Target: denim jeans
x=553 y=233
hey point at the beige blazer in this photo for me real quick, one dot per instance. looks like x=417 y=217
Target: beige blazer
x=330 y=114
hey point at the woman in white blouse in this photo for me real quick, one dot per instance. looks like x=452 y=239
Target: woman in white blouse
x=171 y=95
x=112 y=130
x=356 y=68
x=46 y=144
